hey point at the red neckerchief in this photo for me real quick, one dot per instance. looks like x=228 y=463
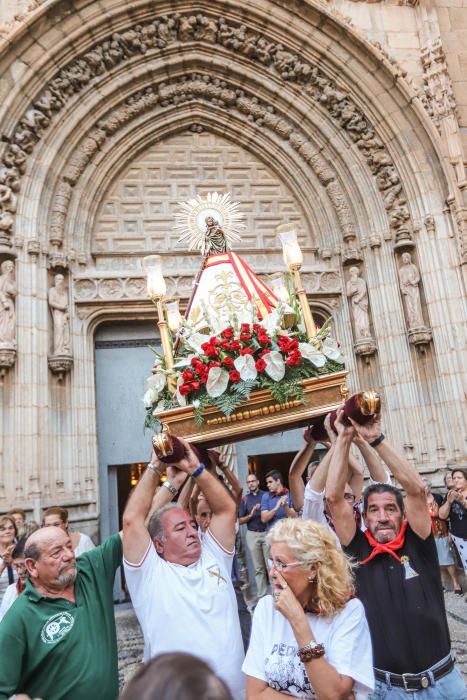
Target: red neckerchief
x=386 y=547
x=20 y=587
x=317 y=611
x=282 y=493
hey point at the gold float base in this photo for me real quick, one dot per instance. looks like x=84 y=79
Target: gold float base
x=260 y=415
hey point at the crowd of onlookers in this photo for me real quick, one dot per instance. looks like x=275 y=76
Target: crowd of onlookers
x=346 y=572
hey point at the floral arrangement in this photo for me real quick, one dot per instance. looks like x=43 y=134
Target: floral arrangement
x=221 y=370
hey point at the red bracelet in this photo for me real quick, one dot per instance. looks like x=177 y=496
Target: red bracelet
x=310 y=651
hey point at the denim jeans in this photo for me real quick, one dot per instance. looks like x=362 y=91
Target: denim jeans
x=449 y=687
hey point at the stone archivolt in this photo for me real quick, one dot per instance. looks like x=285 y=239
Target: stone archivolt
x=159 y=33
x=220 y=94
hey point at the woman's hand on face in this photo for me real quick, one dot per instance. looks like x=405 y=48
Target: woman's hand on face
x=284 y=599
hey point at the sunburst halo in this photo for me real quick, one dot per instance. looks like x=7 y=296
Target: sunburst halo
x=191 y=219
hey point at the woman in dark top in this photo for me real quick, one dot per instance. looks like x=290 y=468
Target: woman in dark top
x=440 y=532
x=454 y=510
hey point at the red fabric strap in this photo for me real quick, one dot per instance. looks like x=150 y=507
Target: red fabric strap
x=386 y=547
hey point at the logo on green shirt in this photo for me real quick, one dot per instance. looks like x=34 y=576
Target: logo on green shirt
x=57 y=627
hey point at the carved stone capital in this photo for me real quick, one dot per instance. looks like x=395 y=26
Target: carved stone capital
x=403 y=239
x=374 y=241
x=33 y=246
x=60 y=364
x=420 y=337
x=351 y=254
x=7 y=358
x=365 y=348
x=57 y=259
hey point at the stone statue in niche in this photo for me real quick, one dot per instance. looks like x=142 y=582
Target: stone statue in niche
x=409 y=280
x=358 y=295
x=7 y=304
x=58 y=302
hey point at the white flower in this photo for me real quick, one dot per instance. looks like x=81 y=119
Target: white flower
x=181 y=399
x=156 y=381
x=218 y=379
x=312 y=354
x=150 y=397
x=245 y=365
x=272 y=322
x=331 y=350
x=195 y=341
x=275 y=365
x=158 y=409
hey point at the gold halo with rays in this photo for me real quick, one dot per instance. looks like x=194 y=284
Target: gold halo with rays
x=190 y=220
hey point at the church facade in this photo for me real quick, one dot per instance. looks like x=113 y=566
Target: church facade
x=346 y=118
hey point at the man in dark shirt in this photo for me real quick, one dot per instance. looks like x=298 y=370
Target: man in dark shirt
x=250 y=515
x=398 y=578
x=277 y=502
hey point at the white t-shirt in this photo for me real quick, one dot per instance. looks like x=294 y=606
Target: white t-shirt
x=313 y=509
x=8 y=599
x=85 y=544
x=272 y=654
x=191 y=609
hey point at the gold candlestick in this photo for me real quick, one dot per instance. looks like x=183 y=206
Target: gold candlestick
x=152 y=264
x=293 y=258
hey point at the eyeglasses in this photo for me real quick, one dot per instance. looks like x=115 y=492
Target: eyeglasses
x=281 y=566
x=349 y=497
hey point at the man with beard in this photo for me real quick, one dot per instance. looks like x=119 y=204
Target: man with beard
x=398 y=578
x=58 y=639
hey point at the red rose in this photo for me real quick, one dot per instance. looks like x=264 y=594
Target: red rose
x=246 y=351
x=210 y=350
x=228 y=362
x=245 y=337
x=260 y=365
x=196 y=362
x=256 y=327
x=214 y=364
x=227 y=332
x=184 y=389
x=234 y=376
x=214 y=341
x=194 y=386
x=235 y=345
x=263 y=339
x=245 y=328
x=187 y=375
x=264 y=352
x=225 y=345
x=293 y=358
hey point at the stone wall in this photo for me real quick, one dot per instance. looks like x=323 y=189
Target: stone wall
x=348 y=126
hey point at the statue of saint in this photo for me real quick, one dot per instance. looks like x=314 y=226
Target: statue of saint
x=358 y=295
x=7 y=303
x=409 y=279
x=215 y=239
x=58 y=302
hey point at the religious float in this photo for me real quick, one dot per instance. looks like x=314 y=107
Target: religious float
x=246 y=359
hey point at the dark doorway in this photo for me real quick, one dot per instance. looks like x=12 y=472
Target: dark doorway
x=262 y=464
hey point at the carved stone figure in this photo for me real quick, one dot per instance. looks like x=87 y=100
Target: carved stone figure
x=215 y=239
x=7 y=304
x=358 y=295
x=409 y=280
x=58 y=302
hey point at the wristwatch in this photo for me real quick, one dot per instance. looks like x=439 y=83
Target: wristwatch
x=170 y=487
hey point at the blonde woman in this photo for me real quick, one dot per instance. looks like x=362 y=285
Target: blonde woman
x=310 y=639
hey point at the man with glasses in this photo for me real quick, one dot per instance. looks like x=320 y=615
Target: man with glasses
x=250 y=515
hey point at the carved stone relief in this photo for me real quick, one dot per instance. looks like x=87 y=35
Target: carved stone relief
x=8 y=291
x=61 y=359
x=409 y=282
x=158 y=33
x=357 y=293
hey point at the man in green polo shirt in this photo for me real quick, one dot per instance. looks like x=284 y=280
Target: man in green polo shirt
x=58 y=640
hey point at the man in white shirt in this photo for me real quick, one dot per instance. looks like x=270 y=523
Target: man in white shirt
x=181 y=587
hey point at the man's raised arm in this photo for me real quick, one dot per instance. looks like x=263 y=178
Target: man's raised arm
x=135 y=535
x=342 y=515
x=298 y=466
x=223 y=506
x=405 y=473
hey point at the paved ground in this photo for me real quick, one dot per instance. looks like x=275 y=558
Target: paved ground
x=130 y=642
